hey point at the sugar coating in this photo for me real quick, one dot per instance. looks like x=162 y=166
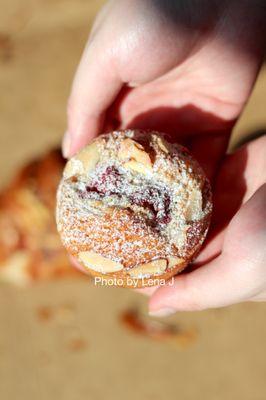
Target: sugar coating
x=133 y=217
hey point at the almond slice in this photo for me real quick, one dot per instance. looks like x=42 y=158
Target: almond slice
x=162 y=144
x=174 y=261
x=83 y=162
x=194 y=208
x=73 y=167
x=99 y=263
x=96 y=203
x=127 y=149
x=89 y=156
x=138 y=167
x=131 y=151
x=154 y=267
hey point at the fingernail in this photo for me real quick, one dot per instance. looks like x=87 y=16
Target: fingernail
x=162 y=312
x=66 y=144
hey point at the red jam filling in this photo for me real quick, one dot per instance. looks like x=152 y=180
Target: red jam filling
x=112 y=182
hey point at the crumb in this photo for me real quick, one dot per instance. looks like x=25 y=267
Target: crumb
x=6 y=47
x=77 y=344
x=132 y=320
x=45 y=313
x=61 y=313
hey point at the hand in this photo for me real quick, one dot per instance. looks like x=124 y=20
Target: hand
x=231 y=268
x=187 y=73
x=169 y=66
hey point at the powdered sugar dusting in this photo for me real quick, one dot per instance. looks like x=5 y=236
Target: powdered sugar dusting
x=130 y=217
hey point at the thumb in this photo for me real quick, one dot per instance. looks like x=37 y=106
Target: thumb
x=236 y=275
x=95 y=87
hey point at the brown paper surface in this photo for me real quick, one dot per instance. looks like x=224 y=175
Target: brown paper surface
x=63 y=340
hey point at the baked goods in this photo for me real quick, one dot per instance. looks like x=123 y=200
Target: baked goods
x=136 y=322
x=30 y=248
x=133 y=207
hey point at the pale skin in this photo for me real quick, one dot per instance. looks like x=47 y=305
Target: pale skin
x=146 y=67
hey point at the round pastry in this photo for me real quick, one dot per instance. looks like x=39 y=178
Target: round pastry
x=133 y=207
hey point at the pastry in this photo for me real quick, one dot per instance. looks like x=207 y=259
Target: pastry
x=133 y=207
x=30 y=247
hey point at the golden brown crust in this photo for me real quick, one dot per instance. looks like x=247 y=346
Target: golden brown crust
x=125 y=228
x=136 y=200
x=123 y=279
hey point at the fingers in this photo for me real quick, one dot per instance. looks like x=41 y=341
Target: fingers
x=238 y=274
x=147 y=291
x=241 y=173
x=95 y=87
x=246 y=235
x=168 y=105
x=190 y=292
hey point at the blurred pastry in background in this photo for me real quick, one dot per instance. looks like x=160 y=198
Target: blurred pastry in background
x=30 y=248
